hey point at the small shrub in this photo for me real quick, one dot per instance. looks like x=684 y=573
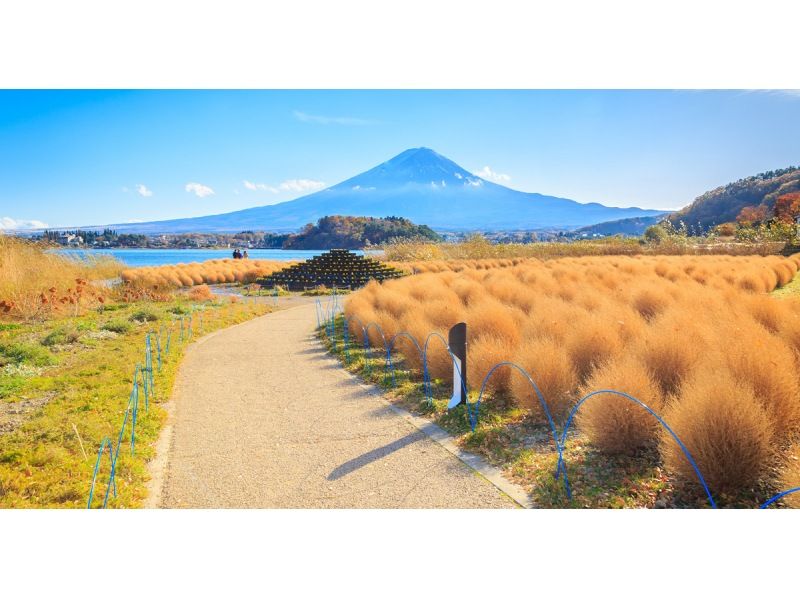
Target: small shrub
x=655 y=234
x=615 y=424
x=19 y=353
x=726 y=229
x=117 y=326
x=61 y=336
x=728 y=433
x=86 y=325
x=552 y=371
x=492 y=318
x=670 y=358
x=143 y=316
x=482 y=356
x=201 y=293
x=649 y=303
x=591 y=345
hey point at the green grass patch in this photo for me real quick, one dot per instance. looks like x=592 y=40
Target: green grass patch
x=61 y=336
x=117 y=326
x=24 y=353
x=82 y=399
x=143 y=315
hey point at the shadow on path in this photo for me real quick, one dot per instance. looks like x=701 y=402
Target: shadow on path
x=373 y=455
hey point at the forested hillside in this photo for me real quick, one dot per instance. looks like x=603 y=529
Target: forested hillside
x=354 y=232
x=724 y=204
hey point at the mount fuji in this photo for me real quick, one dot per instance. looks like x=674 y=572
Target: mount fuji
x=419 y=184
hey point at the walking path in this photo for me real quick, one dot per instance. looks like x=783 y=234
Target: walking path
x=262 y=416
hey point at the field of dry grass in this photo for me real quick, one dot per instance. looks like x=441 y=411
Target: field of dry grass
x=198 y=273
x=417 y=253
x=35 y=284
x=696 y=338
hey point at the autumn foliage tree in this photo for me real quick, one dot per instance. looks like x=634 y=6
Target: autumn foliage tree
x=751 y=214
x=787 y=207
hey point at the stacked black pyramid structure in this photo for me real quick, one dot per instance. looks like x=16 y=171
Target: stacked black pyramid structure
x=338 y=268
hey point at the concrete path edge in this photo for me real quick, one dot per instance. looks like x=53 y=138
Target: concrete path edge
x=475 y=462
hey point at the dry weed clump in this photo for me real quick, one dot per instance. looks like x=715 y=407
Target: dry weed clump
x=613 y=423
x=552 y=372
x=201 y=293
x=657 y=327
x=484 y=354
x=725 y=428
x=37 y=284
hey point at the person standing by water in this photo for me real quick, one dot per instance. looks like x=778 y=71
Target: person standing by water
x=236 y=254
x=244 y=255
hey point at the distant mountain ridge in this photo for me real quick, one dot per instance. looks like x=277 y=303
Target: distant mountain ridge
x=724 y=203
x=629 y=227
x=417 y=184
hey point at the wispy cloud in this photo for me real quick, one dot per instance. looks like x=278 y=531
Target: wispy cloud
x=790 y=93
x=199 y=189
x=8 y=223
x=490 y=175
x=301 y=185
x=332 y=120
x=143 y=190
x=295 y=185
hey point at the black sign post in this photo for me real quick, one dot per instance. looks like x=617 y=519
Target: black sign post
x=457 y=341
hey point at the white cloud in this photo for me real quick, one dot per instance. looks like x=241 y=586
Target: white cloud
x=7 y=223
x=143 y=190
x=290 y=185
x=332 y=120
x=199 y=190
x=490 y=175
x=251 y=186
x=301 y=185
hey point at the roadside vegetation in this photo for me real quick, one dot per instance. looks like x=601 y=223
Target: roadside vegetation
x=696 y=338
x=658 y=240
x=66 y=371
x=35 y=284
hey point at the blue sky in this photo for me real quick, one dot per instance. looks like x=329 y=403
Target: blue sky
x=70 y=158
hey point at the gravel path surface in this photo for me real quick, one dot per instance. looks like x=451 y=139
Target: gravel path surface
x=262 y=417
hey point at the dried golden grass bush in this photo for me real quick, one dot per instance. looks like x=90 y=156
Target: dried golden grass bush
x=486 y=352
x=670 y=352
x=650 y=300
x=768 y=367
x=208 y=272
x=615 y=424
x=552 y=371
x=655 y=326
x=490 y=317
x=592 y=344
x=725 y=428
x=35 y=283
x=201 y=293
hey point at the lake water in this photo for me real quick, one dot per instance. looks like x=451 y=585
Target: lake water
x=161 y=257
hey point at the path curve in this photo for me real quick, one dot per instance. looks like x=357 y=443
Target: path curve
x=262 y=416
